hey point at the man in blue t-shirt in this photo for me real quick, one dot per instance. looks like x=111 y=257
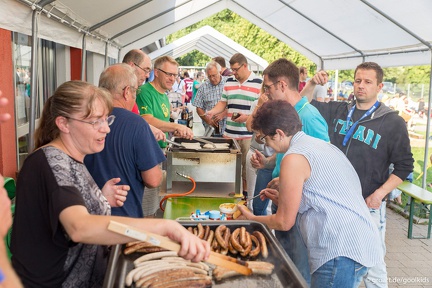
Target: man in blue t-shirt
x=131 y=152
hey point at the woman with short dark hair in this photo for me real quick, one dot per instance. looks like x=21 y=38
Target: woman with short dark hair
x=319 y=183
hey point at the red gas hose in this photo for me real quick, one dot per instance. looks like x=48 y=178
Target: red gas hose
x=178 y=194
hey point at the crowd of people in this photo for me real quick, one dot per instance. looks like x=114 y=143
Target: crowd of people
x=321 y=170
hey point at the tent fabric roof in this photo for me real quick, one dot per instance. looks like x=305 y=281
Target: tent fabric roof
x=335 y=34
x=212 y=43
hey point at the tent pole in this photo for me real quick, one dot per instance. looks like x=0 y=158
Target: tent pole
x=106 y=55
x=34 y=77
x=84 y=58
x=426 y=152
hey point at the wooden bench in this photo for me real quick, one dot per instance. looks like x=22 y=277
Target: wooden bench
x=419 y=195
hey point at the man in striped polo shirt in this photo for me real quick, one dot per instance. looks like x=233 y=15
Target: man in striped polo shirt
x=240 y=91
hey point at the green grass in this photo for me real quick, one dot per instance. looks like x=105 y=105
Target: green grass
x=418 y=154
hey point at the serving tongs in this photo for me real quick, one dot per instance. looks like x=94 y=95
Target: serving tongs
x=249 y=199
x=164 y=242
x=175 y=143
x=204 y=141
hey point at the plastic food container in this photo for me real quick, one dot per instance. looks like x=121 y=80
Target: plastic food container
x=228 y=209
x=214 y=215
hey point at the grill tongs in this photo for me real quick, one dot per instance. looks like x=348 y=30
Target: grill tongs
x=164 y=242
x=205 y=141
x=175 y=143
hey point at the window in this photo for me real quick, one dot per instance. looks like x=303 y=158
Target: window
x=46 y=85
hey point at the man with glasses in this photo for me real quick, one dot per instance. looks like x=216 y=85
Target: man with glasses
x=208 y=95
x=153 y=103
x=124 y=156
x=141 y=64
x=281 y=79
x=239 y=93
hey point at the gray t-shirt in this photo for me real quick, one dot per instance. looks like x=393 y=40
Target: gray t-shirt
x=43 y=254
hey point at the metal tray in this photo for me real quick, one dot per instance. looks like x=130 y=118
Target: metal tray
x=285 y=274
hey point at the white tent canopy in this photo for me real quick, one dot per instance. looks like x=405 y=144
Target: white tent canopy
x=335 y=34
x=212 y=43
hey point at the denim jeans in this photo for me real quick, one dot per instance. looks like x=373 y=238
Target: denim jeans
x=377 y=275
x=294 y=246
x=339 y=272
x=264 y=176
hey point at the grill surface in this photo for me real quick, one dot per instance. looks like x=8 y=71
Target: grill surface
x=233 y=146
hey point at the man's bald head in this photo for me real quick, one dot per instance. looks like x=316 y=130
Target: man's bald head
x=115 y=77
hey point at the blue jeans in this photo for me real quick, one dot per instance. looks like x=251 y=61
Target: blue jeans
x=339 y=272
x=377 y=275
x=264 y=176
x=294 y=246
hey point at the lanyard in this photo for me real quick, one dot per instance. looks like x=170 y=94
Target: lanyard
x=354 y=125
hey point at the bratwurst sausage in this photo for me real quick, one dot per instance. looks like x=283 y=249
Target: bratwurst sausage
x=263 y=244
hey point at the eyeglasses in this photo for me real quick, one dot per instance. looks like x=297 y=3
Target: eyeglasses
x=137 y=89
x=213 y=76
x=267 y=87
x=97 y=124
x=235 y=70
x=168 y=74
x=263 y=138
x=146 y=70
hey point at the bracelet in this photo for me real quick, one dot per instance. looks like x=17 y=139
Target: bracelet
x=202 y=115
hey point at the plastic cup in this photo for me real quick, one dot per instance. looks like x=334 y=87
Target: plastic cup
x=228 y=209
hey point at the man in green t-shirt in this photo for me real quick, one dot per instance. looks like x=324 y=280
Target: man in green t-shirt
x=153 y=102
